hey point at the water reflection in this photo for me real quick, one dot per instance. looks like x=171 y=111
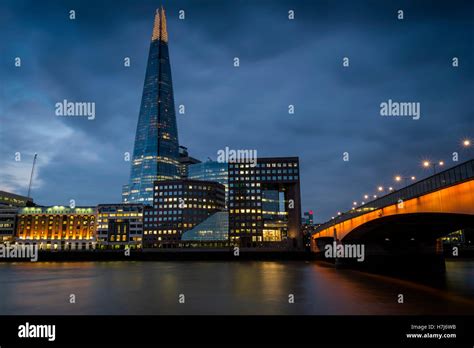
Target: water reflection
x=226 y=288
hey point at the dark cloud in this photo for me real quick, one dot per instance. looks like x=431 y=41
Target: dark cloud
x=282 y=62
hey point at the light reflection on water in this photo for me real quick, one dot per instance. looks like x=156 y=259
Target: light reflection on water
x=225 y=288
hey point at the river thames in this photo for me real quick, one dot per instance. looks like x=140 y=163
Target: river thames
x=245 y=287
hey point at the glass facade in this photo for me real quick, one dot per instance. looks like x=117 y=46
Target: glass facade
x=211 y=171
x=214 y=228
x=155 y=154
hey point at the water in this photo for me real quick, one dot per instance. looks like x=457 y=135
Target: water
x=225 y=288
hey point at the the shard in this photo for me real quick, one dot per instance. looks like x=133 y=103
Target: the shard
x=156 y=150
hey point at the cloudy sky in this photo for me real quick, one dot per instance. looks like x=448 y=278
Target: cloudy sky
x=282 y=62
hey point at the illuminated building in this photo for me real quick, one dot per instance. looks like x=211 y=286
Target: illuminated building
x=8 y=219
x=179 y=205
x=8 y=199
x=211 y=171
x=10 y=203
x=264 y=203
x=119 y=226
x=57 y=228
x=155 y=154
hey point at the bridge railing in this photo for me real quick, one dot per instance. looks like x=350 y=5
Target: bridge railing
x=446 y=178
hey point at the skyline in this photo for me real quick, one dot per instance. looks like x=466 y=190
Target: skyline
x=92 y=159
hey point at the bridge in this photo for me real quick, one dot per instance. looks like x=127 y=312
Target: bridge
x=407 y=222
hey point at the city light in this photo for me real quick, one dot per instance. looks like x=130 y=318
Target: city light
x=466 y=142
x=354 y=203
x=366 y=196
x=427 y=164
x=380 y=188
x=398 y=178
x=390 y=188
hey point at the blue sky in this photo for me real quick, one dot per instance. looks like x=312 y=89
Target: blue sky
x=282 y=62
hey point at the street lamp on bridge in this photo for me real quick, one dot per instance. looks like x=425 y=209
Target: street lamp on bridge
x=399 y=178
x=428 y=164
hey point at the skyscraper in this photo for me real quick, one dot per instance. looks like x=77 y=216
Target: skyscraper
x=156 y=153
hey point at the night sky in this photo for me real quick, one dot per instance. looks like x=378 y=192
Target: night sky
x=282 y=62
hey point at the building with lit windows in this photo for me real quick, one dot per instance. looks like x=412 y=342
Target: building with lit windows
x=10 y=204
x=179 y=205
x=119 y=226
x=211 y=171
x=264 y=203
x=57 y=228
x=8 y=199
x=156 y=153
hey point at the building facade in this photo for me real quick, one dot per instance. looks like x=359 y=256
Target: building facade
x=119 y=226
x=212 y=232
x=10 y=204
x=179 y=205
x=8 y=199
x=57 y=228
x=155 y=153
x=211 y=171
x=264 y=203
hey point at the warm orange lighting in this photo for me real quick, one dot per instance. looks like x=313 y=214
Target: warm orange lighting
x=380 y=188
x=426 y=164
x=466 y=142
x=413 y=178
x=441 y=163
x=398 y=178
x=452 y=199
x=159 y=28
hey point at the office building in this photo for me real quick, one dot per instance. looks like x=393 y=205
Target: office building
x=211 y=171
x=264 y=203
x=10 y=203
x=119 y=226
x=179 y=205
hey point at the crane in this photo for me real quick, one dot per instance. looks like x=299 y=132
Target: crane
x=31 y=176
